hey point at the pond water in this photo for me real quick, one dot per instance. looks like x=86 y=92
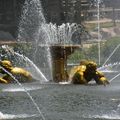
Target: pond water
x=61 y=101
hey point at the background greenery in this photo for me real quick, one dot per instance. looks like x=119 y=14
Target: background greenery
x=108 y=48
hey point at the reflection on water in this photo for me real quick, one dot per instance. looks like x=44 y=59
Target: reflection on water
x=19 y=89
x=62 y=102
x=105 y=117
x=20 y=116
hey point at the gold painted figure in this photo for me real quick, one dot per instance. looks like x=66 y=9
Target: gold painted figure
x=85 y=72
x=19 y=73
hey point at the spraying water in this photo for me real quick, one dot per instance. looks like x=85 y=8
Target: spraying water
x=31 y=20
x=99 y=36
x=37 y=75
x=106 y=67
x=30 y=30
x=31 y=67
x=112 y=54
x=112 y=67
x=63 y=34
x=114 y=77
x=31 y=98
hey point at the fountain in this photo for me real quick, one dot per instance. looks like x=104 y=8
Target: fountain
x=56 y=48
x=50 y=46
x=53 y=43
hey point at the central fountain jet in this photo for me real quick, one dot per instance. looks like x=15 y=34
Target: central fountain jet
x=62 y=41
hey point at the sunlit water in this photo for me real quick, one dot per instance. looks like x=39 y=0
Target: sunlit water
x=61 y=101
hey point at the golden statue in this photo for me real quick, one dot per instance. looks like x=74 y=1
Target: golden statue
x=85 y=72
x=8 y=70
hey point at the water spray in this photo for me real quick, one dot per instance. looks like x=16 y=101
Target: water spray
x=31 y=98
x=111 y=54
x=10 y=50
x=114 y=77
x=99 y=37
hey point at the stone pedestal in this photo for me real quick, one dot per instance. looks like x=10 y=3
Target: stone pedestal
x=60 y=54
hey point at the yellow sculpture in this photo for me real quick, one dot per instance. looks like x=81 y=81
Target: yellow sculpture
x=85 y=72
x=19 y=73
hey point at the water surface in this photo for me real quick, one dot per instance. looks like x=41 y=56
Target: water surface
x=61 y=102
